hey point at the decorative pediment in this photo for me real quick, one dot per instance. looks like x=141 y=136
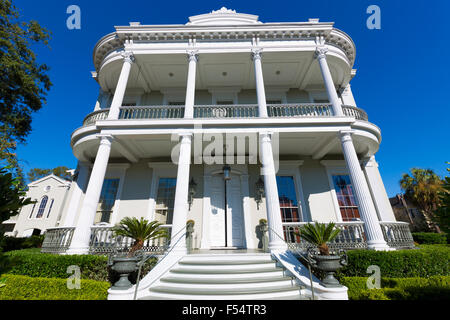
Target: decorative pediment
x=223 y=16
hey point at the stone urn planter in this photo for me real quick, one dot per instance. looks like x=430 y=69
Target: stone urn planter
x=329 y=264
x=319 y=235
x=124 y=266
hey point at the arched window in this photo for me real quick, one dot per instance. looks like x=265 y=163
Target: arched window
x=32 y=209
x=42 y=206
x=50 y=208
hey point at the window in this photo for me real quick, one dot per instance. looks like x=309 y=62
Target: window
x=176 y=103
x=50 y=208
x=273 y=101
x=288 y=199
x=107 y=200
x=42 y=206
x=32 y=209
x=224 y=102
x=346 y=199
x=288 y=206
x=165 y=200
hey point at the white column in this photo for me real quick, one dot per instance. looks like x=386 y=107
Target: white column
x=328 y=81
x=77 y=191
x=190 y=87
x=116 y=103
x=379 y=194
x=375 y=239
x=272 y=200
x=180 y=210
x=81 y=236
x=260 y=91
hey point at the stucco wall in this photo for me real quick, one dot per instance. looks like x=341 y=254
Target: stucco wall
x=58 y=191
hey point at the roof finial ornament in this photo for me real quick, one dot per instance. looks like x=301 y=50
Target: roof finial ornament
x=223 y=10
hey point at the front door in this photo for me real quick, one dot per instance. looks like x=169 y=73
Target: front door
x=232 y=229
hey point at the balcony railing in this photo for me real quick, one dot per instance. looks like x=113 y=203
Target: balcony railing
x=103 y=242
x=226 y=111
x=352 y=236
x=397 y=234
x=57 y=240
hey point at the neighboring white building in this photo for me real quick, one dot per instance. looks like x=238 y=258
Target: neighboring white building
x=50 y=194
x=269 y=105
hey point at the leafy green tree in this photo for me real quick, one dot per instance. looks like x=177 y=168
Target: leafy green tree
x=442 y=214
x=140 y=231
x=12 y=197
x=37 y=173
x=422 y=187
x=24 y=82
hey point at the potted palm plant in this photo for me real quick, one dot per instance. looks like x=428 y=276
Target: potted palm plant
x=320 y=257
x=140 y=231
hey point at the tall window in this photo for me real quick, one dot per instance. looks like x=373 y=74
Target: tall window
x=50 y=208
x=32 y=209
x=165 y=200
x=107 y=200
x=42 y=206
x=288 y=206
x=288 y=199
x=346 y=198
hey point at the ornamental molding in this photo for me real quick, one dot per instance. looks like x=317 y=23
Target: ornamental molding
x=126 y=35
x=223 y=10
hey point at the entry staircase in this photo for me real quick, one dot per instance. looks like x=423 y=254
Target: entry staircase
x=226 y=276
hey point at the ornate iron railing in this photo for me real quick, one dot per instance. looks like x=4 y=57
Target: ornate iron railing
x=351 y=236
x=397 y=234
x=152 y=112
x=227 y=111
x=57 y=240
x=357 y=113
x=299 y=110
x=102 y=241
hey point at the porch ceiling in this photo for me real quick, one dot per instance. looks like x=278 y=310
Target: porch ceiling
x=156 y=72
x=135 y=147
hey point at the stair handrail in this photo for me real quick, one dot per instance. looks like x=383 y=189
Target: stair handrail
x=298 y=252
x=148 y=256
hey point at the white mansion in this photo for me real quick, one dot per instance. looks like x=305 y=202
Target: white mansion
x=226 y=121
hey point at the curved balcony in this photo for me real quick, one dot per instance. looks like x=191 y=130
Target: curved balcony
x=226 y=111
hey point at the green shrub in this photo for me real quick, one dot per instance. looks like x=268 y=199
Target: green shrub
x=27 y=288
x=433 y=288
x=430 y=238
x=13 y=243
x=32 y=263
x=428 y=260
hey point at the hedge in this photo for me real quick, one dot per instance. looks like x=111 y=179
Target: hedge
x=433 y=288
x=13 y=243
x=428 y=260
x=14 y=287
x=430 y=238
x=32 y=263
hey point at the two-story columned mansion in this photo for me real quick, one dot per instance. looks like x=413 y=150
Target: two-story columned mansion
x=225 y=121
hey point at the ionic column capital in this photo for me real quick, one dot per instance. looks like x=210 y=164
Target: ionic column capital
x=105 y=138
x=256 y=53
x=192 y=55
x=128 y=57
x=346 y=135
x=320 y=52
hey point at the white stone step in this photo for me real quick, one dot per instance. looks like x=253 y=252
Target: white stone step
x=287 y=294
x=275 y=274
x=224 y=268
x=226 y=288
x=227 y=259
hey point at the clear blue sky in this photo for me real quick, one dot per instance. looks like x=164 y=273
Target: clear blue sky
x=402 y=80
